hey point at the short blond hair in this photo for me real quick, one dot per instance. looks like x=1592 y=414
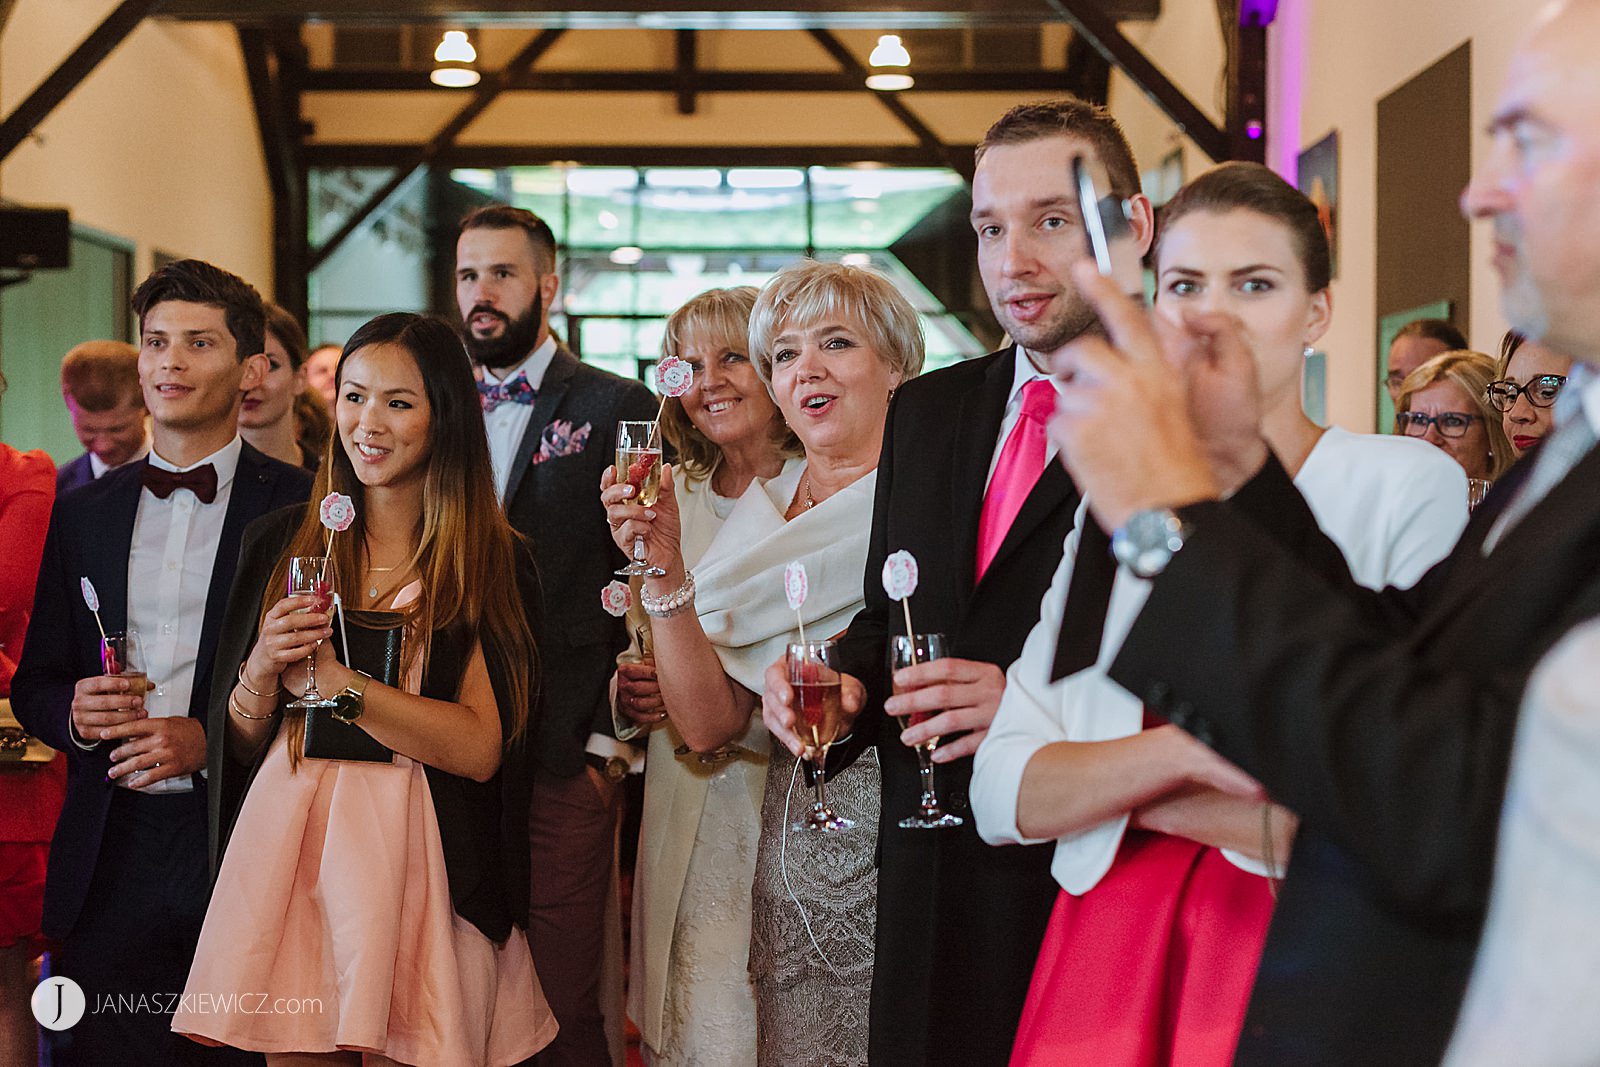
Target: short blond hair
x=718 y=318
x=1471 y=372
x=809 y=292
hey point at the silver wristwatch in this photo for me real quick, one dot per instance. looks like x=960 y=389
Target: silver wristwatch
x=1147 y=542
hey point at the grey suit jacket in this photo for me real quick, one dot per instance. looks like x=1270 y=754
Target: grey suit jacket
x=553 y=498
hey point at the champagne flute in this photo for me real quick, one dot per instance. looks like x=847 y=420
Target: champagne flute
x=121 y=657
x=907 y=651
x=639 y=465
x=1477 y=489
x=814 y=674
x=310 y=576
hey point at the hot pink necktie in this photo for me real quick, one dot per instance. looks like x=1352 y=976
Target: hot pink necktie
x=1021 y=462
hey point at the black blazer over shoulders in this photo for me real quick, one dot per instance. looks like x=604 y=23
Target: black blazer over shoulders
x=555 y=503
x=959 y=922
x=1386 y=721
x=483 y=826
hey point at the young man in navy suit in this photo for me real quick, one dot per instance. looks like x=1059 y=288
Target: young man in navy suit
x=128 y=879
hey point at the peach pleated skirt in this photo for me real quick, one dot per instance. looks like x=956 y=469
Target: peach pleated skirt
x=331 y=928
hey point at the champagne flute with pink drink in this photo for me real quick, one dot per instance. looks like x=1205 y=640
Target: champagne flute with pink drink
x=814 y=673
x=312 y=576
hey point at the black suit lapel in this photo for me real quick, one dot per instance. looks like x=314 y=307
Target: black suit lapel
x=1571 y=506
x=1053 y=489
x=249 y=500
x=557 y=377
x=1083 y=619
x=977 y=426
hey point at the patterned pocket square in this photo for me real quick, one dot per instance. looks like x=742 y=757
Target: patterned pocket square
x=560 y=439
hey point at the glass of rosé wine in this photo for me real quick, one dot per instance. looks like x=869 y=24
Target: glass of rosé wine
x=311 y=576
x=121 y=656
x=907 y=651
x=819 y=709
x=639 y=465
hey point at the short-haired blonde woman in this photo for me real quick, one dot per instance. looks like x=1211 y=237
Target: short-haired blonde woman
x=1446 y=403
x=689 y=986
x=832 y=342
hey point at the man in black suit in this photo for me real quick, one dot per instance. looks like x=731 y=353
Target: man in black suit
x=552 y=423
x=128 y=880
x=100 y=385
x=1385 y=720
x=960 y=923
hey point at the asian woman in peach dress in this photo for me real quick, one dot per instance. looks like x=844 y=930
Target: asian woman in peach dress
x=371 y=912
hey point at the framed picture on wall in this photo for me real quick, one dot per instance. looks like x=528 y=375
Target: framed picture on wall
x=1319 y=180
x=1388 y=326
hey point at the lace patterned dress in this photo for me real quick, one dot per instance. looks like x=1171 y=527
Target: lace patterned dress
x=811 y=1011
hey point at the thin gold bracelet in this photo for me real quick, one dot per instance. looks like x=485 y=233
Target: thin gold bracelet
x=1266 y=849
x=233 y=706
x=252 y=692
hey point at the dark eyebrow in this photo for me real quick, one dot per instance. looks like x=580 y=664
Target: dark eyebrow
x=398 y=391
x=492 y=266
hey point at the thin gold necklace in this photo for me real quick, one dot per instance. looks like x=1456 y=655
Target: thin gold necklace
x=372 y=590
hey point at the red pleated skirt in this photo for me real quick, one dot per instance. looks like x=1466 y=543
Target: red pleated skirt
x=1150 y=968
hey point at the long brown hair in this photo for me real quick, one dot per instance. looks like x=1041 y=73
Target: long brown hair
x=466 y=551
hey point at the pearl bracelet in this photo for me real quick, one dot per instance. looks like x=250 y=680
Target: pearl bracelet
x=674 y=603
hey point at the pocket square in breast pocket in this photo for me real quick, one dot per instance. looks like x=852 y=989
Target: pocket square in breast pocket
x=561 y=439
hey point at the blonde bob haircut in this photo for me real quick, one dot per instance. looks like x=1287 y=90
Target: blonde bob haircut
x=716 y=320
x=809 y=293
x=1471 y=372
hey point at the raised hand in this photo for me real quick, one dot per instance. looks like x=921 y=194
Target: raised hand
x=777 y=705
x=965 y=693
x=659 y=525
x=1126 y=422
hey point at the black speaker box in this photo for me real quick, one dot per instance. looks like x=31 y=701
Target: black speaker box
x=35 y=238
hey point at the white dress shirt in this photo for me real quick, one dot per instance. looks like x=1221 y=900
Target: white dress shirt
x=1023 y=372
x=507 y=423
x=1394 y=506
x=169 y=577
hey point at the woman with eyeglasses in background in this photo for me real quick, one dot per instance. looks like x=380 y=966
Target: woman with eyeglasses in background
x=1446 y=403
x=1530 y=379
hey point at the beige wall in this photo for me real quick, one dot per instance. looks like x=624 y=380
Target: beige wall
x=1356 y=52
x=1349 y=53
x=158 y=146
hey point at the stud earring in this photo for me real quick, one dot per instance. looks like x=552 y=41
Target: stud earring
x=1308 y=351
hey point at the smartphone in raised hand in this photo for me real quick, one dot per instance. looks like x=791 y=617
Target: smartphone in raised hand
x=1108 y=222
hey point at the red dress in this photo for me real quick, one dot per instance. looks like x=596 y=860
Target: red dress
x=1150 y=968
x=30 y=798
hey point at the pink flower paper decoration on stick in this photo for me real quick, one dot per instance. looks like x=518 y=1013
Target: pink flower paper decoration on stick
x=900 y=581
x=674 y=376
x=795 y=587
x=337 y=512
x=616 y=598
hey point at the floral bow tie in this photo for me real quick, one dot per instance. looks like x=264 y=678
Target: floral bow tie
x=517 y=391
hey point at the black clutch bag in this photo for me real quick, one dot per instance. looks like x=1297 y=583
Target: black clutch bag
x=375 y=645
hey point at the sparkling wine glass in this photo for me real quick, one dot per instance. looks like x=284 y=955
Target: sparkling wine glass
x=1477 y=489
x=121 y=657
x=814 y=674
x=639 y=465
x=907 y=651
x=312 y=576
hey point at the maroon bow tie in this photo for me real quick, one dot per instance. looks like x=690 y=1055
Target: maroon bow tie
x=201 y=481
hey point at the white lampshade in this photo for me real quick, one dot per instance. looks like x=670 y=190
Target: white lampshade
x=455 y=48
x=890 y=53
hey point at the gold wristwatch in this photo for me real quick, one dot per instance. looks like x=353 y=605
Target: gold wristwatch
x=351 y=701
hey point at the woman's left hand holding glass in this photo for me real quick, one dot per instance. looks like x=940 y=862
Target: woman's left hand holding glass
x=658 y=526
